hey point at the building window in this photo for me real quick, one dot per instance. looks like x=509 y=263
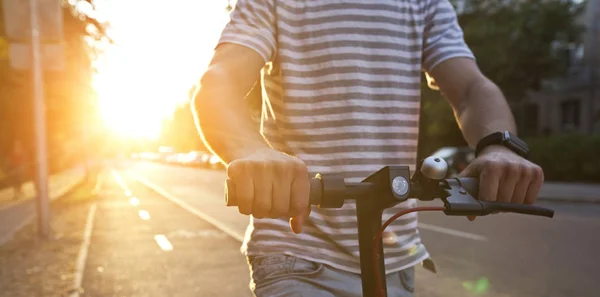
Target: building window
x=571 y=114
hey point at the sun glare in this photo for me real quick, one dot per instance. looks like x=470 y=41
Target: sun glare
x=160 y=52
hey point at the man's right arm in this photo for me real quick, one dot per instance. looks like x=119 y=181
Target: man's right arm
x=268 y=183
x=222 y=115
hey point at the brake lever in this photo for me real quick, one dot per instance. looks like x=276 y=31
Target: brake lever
x=459 y=200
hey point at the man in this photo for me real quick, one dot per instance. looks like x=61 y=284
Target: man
x=341 y=81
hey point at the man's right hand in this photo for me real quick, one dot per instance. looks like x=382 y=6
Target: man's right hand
x=271 y=184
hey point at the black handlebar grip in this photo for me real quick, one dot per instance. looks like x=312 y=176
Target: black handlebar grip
x=315 y=196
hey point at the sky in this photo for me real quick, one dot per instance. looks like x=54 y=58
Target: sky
x=161 y=51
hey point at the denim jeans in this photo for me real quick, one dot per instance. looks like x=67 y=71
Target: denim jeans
x=277 y=275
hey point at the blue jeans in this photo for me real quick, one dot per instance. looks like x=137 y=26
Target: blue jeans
x=277 y=275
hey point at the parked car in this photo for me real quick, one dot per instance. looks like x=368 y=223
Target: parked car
x=458 y=158
x=195 y=159
x=214 y=162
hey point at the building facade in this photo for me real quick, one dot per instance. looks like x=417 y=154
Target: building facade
x=571 y=103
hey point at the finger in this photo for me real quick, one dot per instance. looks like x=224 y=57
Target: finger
x=522 y=185
x=300 y=191
x=511 y=174
x=471 y=170
x=488 y=182
x=280 y=203
x=299 y=204
x=244 y=191
x=262 y=196
x=297 y=222
x=534 y=186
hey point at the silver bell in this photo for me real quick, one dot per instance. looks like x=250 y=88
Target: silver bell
x=434 y=168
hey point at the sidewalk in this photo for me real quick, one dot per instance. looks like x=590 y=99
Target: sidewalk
x=570 y=192
x=58 y=185
x=30 y=266
x=14 y=214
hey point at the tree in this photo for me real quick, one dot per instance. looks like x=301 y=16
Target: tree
x=66 y=92
x=514 y=42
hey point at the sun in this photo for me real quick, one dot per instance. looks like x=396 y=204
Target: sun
x=160 y=52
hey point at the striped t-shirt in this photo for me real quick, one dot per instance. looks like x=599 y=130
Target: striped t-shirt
x=341 y=89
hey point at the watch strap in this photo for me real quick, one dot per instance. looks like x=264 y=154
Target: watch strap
x=506 y=139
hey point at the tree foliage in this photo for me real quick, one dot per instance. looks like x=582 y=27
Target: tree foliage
x=67 y=92
x=514 y=42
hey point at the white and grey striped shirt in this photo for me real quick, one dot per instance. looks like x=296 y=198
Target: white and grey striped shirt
x=341 y=89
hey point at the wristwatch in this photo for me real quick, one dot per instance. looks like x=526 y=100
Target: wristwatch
x=506 y=139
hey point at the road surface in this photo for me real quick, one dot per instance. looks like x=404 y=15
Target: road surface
x=142 y=244
x=503 y=255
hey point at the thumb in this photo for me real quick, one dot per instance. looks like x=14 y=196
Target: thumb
x=470 y=171
x=297 y=222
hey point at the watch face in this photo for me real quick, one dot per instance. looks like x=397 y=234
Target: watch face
x=517 y=141
x=515 y=144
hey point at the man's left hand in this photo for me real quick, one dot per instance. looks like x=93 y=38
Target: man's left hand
x=505 y=176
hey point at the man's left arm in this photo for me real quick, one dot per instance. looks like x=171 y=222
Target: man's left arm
x=480 y=109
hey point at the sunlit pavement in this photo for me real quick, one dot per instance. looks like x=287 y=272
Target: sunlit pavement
x=504 y=255
x=144 y=245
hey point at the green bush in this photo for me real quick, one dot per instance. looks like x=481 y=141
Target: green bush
x=568 y=157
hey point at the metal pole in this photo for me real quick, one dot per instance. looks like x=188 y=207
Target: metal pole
x=39 y=109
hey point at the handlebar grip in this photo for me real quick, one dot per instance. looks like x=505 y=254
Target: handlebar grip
x=315 y=196
x=495 y=206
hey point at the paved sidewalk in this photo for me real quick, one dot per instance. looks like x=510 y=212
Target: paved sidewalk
x=570 y=192
x=14 y=214
x=58 y=184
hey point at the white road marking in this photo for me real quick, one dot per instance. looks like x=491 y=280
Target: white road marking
x=144 y=215
x=236 y=235
x=134 y=201
x=163 y=242
x=121 y=182
x=83 y=252
x=452 y=232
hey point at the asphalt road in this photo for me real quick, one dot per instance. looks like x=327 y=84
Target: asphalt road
x=502 y=255
x=142 y=244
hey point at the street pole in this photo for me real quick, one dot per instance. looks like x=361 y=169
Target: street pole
x=39 y=109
